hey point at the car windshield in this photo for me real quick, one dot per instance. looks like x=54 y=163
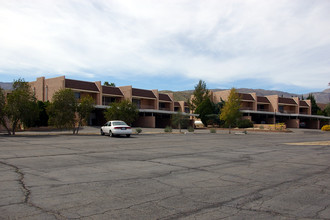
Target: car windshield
x=119 y=123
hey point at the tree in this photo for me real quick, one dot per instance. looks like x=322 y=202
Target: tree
x=205 y=109
x=43 y=115
x=230 y=111
x=125 y=111
x=106 y=83
x=199 y=95
x=84 y=109
x=21 y=105
x=62 y=109
x=3 y=113
x=180 y=120
x=315 y=107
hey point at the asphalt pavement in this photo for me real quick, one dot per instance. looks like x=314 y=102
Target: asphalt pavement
x=165 y=176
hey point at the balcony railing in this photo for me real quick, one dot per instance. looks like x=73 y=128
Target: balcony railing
x=263 y=110
x=165 y=109
x=287 y=112
x=246 y=108
x=146 y=107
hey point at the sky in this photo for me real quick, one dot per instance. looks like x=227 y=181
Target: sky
x=169 y=44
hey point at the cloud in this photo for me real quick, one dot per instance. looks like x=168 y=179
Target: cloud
x=282 y=42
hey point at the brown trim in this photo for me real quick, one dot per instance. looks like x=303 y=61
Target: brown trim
x=81 y=85
x=290 y=101
x=143 y=93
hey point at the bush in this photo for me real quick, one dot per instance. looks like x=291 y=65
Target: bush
x=261 y=127
x=190 y=129
x=212 y=130
x=326 y=128
x=138 y=130
x=244 y=123
x=168 y=129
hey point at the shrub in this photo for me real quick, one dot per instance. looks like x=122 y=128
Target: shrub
x=138 y=130
x=244 y=123
x=168 y=129
x=190 y=129
x=326 y=128
x=261 y=127
x=280 y=126
x=212 y=130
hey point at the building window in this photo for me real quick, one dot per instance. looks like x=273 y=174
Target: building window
x=46 y=93
x=137 y=102
x=162 y=106
x=108 y=100
x=281 y=108
x=77 y=95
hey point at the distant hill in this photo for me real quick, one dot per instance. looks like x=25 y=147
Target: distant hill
x=6 y=86
x=320 y=97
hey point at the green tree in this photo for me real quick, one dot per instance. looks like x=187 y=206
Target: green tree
x=106 y=83
x=3 y=113
x=315 y=107
x=199 y=95
x=62 y=109
x=43 y=115
x=21 y=105
x=230 y=111
x=84 y=108
x=124 y=110
x=205 y=109
x=180 y=120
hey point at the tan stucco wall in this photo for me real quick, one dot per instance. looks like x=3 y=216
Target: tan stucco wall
x=156 y=93
x=127 y=92
x=53 y=85
x=273 y=103
x=292 y=123
x=145 y=121
x=38 y=87
x=99 y=95
x=220 y=94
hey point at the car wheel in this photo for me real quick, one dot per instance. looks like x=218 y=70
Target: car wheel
x=110 y=134
x=128 y=135
x=102 y=133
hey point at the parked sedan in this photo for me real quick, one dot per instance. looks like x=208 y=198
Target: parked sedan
x=116 y=128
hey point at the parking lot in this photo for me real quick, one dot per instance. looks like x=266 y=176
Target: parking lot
x=166 y=176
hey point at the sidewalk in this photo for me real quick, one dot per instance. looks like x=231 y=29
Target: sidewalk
x=91 y=130
x=95 y=130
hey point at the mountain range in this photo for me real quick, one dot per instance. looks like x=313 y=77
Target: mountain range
x=320 y=97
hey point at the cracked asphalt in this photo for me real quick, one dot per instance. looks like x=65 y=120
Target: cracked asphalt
x=165 y=176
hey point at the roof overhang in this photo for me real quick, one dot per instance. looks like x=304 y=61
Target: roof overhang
x=142 y=97
x=151 y=111
x=111 y=95
x=165 y=112
x=82 y=90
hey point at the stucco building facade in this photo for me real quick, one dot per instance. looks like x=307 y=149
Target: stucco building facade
x=295 y=113
x=155 y=109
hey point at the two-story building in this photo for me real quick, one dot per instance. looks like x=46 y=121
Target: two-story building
x=155 y=109
x=272 y=109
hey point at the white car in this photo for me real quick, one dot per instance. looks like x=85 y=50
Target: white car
x=116 y=128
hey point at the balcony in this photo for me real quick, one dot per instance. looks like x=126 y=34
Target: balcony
x=246 y=108
x=287 y=111
x=263 y=110
x=146 y=107
x=165 y=109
